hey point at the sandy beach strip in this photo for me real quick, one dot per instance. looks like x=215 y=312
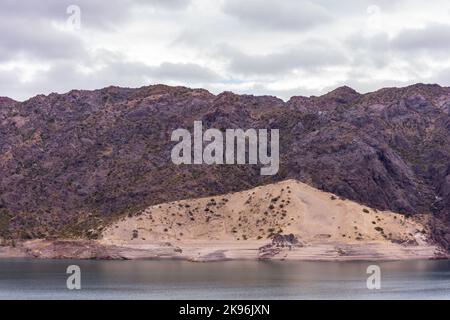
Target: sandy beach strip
x=204 y=251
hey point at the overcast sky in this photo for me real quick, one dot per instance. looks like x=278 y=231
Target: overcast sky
x=282 y=48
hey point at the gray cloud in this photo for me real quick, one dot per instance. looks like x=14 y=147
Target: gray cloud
x=168 y=4
x=440 y=77
x=95 y=13
x=188 y=72
x=39 y=41
x=372 y=51
x=254 y=45
x=308 y=56
x=9 y=84
x=352 y=7
x=432 y=37
x=64 y=75
x=281 y=15
x=33 y=35
x=409 y=45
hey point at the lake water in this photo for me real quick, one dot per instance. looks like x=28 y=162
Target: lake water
x=45 y=279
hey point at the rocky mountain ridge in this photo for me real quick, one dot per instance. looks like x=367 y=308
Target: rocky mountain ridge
x=72 y=163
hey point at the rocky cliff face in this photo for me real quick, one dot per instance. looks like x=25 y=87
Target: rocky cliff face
x=70 y=163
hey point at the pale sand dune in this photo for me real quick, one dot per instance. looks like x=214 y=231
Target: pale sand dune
x=236 y=226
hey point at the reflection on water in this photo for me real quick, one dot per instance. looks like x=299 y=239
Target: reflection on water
x=43 y=279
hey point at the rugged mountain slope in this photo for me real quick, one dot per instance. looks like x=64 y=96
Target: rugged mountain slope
x=69 y=163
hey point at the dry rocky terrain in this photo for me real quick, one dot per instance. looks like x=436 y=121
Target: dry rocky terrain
x=73 y=164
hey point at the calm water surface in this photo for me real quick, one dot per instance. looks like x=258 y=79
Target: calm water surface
x=45 y=279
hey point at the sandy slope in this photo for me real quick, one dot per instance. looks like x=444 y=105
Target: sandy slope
x=244 y=225
x=235 y=226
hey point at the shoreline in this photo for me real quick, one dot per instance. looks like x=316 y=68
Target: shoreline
x=219 y=251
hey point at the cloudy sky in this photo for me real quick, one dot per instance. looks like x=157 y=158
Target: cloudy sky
x=282 y=48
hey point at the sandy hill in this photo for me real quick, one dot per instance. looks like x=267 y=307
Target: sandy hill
x=289 y=207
